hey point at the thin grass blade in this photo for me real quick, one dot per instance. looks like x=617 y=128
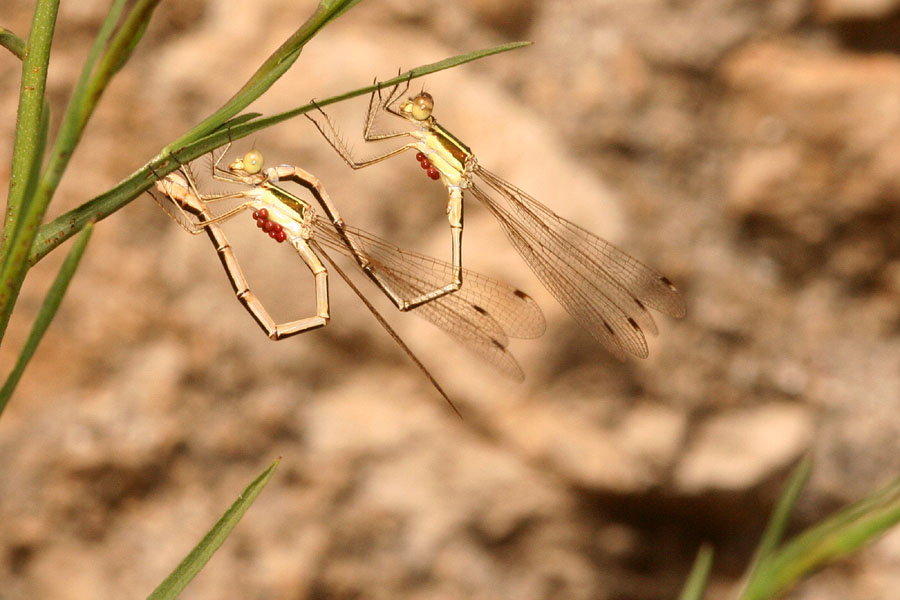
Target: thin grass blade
x=781 y=514
x=265 y=76
x=175 y=583
x=98 y=71
x=22 y=220
x=46 y=314
x=827 y=542
x=65 y=226
x=696 y=583
x=12 y=42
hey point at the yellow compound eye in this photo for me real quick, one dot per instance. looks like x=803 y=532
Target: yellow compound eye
x=422 y=105
x=253 y=162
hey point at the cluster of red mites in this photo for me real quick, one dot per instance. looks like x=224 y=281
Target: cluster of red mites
x=275 y=231
x=426 y=164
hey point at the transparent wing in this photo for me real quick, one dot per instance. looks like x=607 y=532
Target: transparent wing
x=481 y=316
x=604 y=289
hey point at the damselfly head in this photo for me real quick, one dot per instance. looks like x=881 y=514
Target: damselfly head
x=420 y=107
x=251 y=163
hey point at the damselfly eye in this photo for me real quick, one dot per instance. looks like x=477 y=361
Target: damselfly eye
x=253 y=162
x=422 y=105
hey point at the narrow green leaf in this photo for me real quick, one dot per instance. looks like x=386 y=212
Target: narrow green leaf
x=12 y=42
x=781 y=514
x=421 y=71
x=63 y=227
x=98 y=70
x=338 y=7
x=266 y=75
x=830 y=540
x=46 y=314
x=238 y=120
x=178 y=579
x=24 y=216
x=696 y=583
x=20 y=224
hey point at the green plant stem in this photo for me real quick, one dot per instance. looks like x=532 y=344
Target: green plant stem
x=781 y=515
x=63 y=227
x=267 y=74
x=696 y=583
x=175 y=583
x=46 y=314
x=22 y=215
x=90 y=87
x=12 y=42
x=830 y=540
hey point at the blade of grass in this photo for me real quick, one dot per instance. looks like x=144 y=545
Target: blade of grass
x=45 y=316
x=825 y=543
x=25 y=218
x=268 y=73
x=63 y=227
x=88 y=90
x=781 y=514
x=19 y=229
x=696 y=583
x=12 y=42
x=178 y=579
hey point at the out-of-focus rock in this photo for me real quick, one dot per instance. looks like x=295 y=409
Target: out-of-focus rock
x=836 y=10
x=815 y=170
x=740 y=449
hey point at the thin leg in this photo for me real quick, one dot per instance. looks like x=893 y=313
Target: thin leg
x=387 y=327
x=454 y=212
x=340 y=146
x=284 y=330
x=180 y=191
x=374 y=109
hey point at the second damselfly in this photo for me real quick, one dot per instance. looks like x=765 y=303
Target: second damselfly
x=606 y=290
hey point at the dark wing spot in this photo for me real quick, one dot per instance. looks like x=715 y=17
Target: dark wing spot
x=479 y=309
x=498 y=344
x=608 y=328
x=666 y=281
x=521 y=294
x=639 y=303
x=633 y=324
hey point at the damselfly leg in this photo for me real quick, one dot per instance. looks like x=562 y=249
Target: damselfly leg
x=483 y=318
x=178 y=190
x=606 y=290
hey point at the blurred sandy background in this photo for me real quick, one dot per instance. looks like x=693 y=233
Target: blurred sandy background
x=748 y=149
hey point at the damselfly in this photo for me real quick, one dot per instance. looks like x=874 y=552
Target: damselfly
x=603 y=288
x=482 y=319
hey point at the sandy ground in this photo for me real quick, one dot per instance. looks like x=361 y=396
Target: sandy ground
x=748 y=150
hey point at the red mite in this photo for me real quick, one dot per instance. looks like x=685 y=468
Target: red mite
x=426 y=164
x=275 y=231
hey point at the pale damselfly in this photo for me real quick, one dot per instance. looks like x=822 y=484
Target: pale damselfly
x=606 y=290
x=482 y=318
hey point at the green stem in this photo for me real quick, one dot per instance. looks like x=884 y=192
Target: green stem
x=267 y=74
x=23 y=216
x=63 y=227
x=45 y=316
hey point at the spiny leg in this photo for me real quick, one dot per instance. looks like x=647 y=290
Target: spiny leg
x=383 y=105
x=333 y=137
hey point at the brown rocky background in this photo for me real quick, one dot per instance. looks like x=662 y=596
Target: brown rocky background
x=748 y=149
